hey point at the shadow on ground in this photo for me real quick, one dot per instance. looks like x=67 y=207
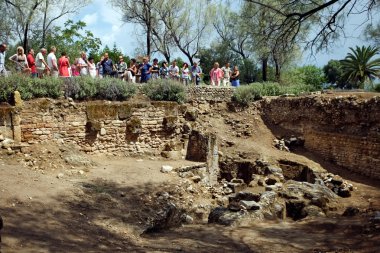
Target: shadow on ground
x=101 y=217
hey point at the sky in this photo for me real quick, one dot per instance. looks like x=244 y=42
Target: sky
x=105 y=22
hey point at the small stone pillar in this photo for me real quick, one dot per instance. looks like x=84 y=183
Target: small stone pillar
x=204 y=148
x=16 y=127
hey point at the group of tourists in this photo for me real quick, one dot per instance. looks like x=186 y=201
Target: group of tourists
x=38 y=66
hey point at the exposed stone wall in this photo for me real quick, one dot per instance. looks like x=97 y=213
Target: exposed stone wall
x=359 y=154
x=345 y=130
x=210 y=94
x=103 y=126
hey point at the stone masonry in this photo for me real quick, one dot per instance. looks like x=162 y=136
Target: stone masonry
x=343 y=130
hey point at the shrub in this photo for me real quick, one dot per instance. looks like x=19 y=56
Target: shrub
x=248 y=93
x=29 y=87
x=80 y=88
x=165 y=90
x=114 y=89
x=83 y=88
x=306 y=75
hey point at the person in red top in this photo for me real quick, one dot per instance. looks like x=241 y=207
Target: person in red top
x=31 y=63
x=64 y=65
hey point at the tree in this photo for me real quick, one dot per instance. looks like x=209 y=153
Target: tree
x=139 y=12
x=26 y=16
x=268 y=48
x=234 y=31
x=327 y=17
x=73 y=39
x=372 y=33
x=334 y=73
x=6 y=32
x=50 y=13
x=359 y=65
x=114 y=53
x=187 y=22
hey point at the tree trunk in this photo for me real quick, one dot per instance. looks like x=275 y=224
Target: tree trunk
x=265 y=69
x=25 y=44
x=167 y=57
x=278 y=69
x=28 y=21
x=148 y=26
x=44 y=24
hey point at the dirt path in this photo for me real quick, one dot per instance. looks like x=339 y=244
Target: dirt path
x=99 y=212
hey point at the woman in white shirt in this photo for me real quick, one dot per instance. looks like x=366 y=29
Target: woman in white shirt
x=91 y=67
x=185 y=74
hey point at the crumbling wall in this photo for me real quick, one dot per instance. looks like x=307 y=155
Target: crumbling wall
x=103 y=126
x=210 y=94
x=343 y=130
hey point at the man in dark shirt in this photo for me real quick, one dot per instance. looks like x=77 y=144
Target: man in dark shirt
x=145 y=70
x=108 y=66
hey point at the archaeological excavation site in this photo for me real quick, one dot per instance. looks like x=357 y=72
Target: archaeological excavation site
x=282 y=174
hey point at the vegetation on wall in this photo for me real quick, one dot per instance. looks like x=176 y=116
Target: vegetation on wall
x=79 y=88
x=165 y=90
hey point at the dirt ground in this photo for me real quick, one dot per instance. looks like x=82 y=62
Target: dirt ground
x=52 y=207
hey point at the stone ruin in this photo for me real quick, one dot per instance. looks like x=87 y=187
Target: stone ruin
x=244 y=189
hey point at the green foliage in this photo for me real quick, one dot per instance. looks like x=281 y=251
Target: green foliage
x=306 y=75
x=359 y=66
x=113 y=54
x=73 y=39
x=80 y=88
x=334 y=73
x=376 y=88
x=372 y=33
x=29 y=87
x=246 y=94
x=165 y=90
x=114 y=89
x=83 y=88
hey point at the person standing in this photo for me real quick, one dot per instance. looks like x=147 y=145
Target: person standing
x=174 y=71
x=21 y=61
x=64 y=65
x=235 y=77
x=164 y=71
x=82 y=64
x=32 y=63
x=196 y=73
x=145 y=69
x=131 y=71
x=121 y=66
x=226 y=74
x=185 y=74
x=41 y=65
x=3 y=48
x=155 y=69
x=99 y=68
x=216 y=75
x=52 y=62
x=91 y=67
x=108 y=66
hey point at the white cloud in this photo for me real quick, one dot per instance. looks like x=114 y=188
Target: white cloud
x=90 y=19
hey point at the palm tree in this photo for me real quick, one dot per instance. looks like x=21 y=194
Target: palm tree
x=359 y=67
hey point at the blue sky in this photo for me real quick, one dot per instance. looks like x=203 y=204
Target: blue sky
x=105 y=22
